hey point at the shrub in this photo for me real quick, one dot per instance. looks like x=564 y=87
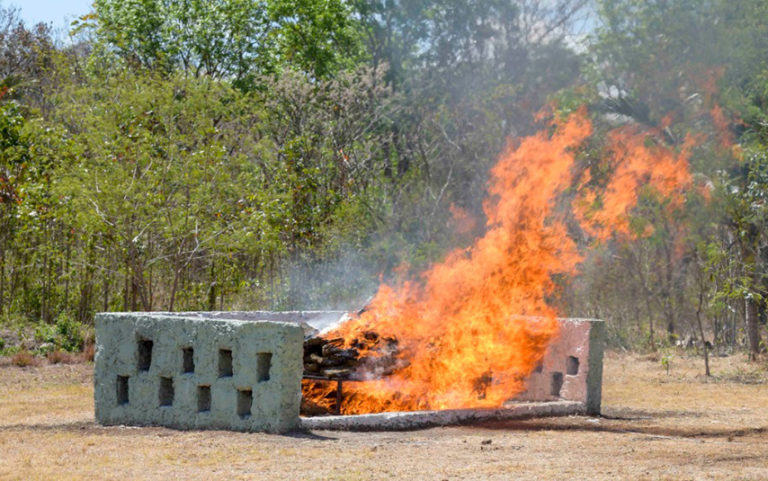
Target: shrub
x=45 y=333
x=89 y=352
x=62 y=357
x=24 y=359
x=69 y=334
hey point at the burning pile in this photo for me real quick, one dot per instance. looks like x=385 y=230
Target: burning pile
x=473 y=327
x=328 y=357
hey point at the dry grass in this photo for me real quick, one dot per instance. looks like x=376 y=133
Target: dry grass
x=657 y=427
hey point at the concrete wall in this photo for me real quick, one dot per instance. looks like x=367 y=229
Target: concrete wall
x=187 y=372
x=572 y=368
x=312 y=322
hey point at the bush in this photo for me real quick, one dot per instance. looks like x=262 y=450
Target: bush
x=24 y=359
x=89 y=352
x=66 y=334
x=45 y=333
x=62 y=357
x=69 y=334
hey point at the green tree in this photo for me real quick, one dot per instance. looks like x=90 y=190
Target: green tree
x=677 y=66
x=14 y=173
x=235 y=39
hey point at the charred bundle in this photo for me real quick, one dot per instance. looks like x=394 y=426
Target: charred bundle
x=368 y=357
x=328 y=358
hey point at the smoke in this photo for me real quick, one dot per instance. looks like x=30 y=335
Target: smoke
x=344 y=283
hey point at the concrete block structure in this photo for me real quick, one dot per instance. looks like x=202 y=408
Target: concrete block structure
x=242 y=371
x=572 y=368
x=197 y=372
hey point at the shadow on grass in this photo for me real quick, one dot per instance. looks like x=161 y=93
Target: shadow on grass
x=620 y=426
x=90 y=427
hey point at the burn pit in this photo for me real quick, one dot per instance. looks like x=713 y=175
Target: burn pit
x=172 y=393
x=334 y=374
x=580 y=393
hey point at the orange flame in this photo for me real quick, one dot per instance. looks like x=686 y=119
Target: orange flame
x=635 y=160
x=474 y=327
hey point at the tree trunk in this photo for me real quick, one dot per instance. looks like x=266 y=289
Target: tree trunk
x=176 y=274
x=212 y=288
x=106 y=290
x=127 y=286
x=701 y=333
x=67 y=259
x=2 y=283
x=753 y=326
x=44 y=295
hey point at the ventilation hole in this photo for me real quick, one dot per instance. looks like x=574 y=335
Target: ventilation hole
x=538 y=369
x=166 y=391
x=572 y=365
x=203 y=399
x=263 y=365
x=145 y=354
x=188 y=364
x=557 y=383
x=225 y=363
x=244 y=401
x=122 y=390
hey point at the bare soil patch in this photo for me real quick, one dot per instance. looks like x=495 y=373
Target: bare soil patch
x=656 y=426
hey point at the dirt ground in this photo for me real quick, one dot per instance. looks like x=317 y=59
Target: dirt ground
x=656 y=426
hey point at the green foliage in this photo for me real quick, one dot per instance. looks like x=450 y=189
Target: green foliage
x=70 y=334
x=665 y=363
x=15 y=155
x=66 y=334
x=742 y=199
x=237 y=39
x=694 y=64
x=664 y=55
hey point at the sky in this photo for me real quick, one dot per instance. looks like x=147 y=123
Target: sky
x=57 y=13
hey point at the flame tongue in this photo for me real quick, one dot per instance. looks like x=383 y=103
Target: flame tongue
x=477 y=324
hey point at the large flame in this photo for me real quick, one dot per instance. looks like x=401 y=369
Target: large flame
x=470 y=331
x=635 y=160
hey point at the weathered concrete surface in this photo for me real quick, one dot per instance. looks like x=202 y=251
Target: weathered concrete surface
x=404 y=421
x=595 y=364
x=312 y=322
x=242 y=375
x=572 y=368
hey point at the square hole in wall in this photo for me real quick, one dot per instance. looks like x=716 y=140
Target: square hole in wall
x=188 y=360
x=165 y=393
x=263 y=365
x=539 y=368
x=203 y=399
x=572 y=365
x=122 y=390
x=557 y=383
x=225 y=363
x=145 y=354
x=244 y=401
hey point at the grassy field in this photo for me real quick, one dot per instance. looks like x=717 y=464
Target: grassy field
x=657 y=426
